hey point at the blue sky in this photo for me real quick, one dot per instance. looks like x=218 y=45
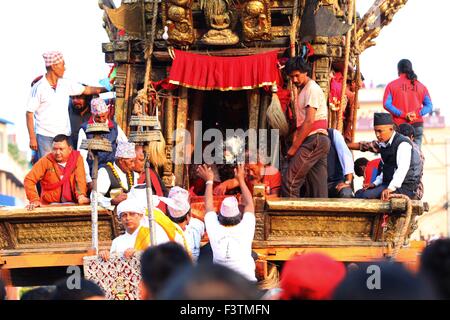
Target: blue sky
x=75 y=28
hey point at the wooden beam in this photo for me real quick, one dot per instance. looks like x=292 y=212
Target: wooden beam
x=50 y=211
x=180 y=144
x=342 y=205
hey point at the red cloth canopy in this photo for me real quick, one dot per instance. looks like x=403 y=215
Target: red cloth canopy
x=205 y=72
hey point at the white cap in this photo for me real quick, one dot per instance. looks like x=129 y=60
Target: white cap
x=130 y=205
x=177 y=202
x=229 y=207
x=139 y=194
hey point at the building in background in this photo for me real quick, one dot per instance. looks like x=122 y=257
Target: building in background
x=436 y=134
x=13 y=168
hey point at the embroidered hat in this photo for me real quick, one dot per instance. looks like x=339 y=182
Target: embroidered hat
x=125 y=150
x=99 y=106
x=130 y=205
x=382 y=118
x=311 y=276
x=52 y=57
x=229 y=207
x=177 y=202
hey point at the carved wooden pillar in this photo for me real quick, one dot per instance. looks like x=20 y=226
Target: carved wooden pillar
x=253 y=98
x=169 y=127
x=180 y=141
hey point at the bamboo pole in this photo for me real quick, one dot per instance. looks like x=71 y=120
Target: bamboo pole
x=346 y=62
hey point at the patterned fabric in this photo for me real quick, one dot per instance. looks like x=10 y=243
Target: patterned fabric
x=99 y=106
x=118 y=277
x=52 y=57
x=125 y=150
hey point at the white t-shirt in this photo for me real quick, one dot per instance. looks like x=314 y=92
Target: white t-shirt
x=232 y=246
x=311 y=95
x=51 y=107
x=194 y=233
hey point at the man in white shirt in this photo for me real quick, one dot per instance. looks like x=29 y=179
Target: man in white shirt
x=116 y=179
x=401 y=166
x=231 y=232
x=47 y=108
x=180 y=213
x=100 y=114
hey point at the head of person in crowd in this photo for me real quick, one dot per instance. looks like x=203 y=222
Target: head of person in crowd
x=310 y=276
x=383 y=281
x=87 y=290
x=407 y=130
x=130 y=213
x=99 y=110
x=230 y=213
x=125 y=156
x=81 y=102
x=435 y=266
x=139 y=161
x=61 y=148
x=159 y=264
x=178 y=206
x=405 y=67
x=383 y=125
x=41 y=293
x=207 y=281
x=298 y=71
x=360 y=166
x=2 y=290
x=54 y=63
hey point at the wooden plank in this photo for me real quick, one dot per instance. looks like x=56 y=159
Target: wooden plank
x=347 y=254
x=341 y=205
x=42 y=260
x=49 y=211
x=181 y=123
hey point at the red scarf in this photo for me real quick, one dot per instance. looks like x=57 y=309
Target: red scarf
x=66 y=173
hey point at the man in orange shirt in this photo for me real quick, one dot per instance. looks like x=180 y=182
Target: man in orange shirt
x=61 y=174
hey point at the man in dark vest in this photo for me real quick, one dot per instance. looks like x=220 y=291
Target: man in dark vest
x=401 y=164
x=340 y=167
x=100 y=113
x=117 y=178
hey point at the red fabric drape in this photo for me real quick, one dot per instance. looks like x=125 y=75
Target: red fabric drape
x=205 y=72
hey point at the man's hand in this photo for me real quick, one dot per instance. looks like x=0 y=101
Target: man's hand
x=104 y=254
x=128 y=254
x=121 y=197
x=205 y=173
x=368 y=186
x=342 y=185
x=33 y=143
x=239 y=172
x=386 y=195
x=33 y=204
x=411 y=116
x=221 y=189
x=83 y=200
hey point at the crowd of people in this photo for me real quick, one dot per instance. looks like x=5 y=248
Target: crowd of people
x=319 y=165
x=168 y=273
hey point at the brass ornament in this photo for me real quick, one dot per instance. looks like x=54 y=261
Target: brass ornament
x=256 y=20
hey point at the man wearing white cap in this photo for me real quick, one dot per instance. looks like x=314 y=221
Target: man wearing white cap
x=47 y=107
x=231 y=232
x=100 y=113
x=131 y=213
x=180 y=213
x=117 y=178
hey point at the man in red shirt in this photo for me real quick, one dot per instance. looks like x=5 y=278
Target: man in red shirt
x=368 y=169
x=407 y=99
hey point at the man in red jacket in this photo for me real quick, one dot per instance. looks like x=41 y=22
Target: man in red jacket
x=407 y=99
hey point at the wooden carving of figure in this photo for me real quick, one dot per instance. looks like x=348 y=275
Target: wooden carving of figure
x=180 y=22
x=218 y=16
x=256 y=20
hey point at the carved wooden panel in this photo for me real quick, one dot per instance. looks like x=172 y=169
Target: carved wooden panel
x=332 y=227
x=179 y=21
x=256 y=20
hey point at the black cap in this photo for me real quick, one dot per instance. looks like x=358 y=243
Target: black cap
x=382 y=118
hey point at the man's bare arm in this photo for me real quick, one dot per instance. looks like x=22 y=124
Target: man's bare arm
x=94 y=90
x=31 y=133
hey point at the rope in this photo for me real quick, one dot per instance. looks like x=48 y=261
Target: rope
x=401 y=236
